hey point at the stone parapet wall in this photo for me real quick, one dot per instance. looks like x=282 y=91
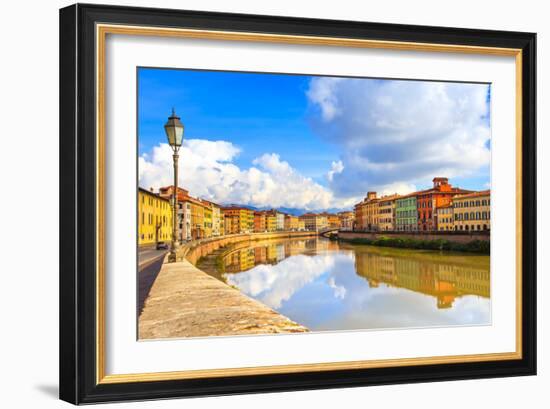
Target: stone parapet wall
x=194 y=250
x=454 y=237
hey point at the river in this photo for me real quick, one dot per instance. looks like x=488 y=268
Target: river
x=327 y=285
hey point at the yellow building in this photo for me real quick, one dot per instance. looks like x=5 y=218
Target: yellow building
x=291 y=222
x=366 y=213
x=197 y=219
x=386 y=212
x=207 y=220
x=333 y=220
x=271 y=221
x=472 y=211
x=346 y=220
x=445 y=218
x=238 y=220
x=314 y=222
x=154 y=218
x=217 y=223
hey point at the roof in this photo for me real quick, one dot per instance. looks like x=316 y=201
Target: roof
x=235 y=207
x=453 y=190
x=413 y=194
x=474 y=194
x=395 y=196
x=142 y=190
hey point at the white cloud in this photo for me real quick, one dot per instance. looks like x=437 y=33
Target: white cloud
x=400 y=133
x=275 y=284
x=336 y=167
x=207 y=170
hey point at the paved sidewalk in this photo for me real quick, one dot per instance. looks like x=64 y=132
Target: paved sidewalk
x=186 y=302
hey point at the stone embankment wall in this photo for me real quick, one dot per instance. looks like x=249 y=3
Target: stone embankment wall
x=450 y=236
x=193 y=251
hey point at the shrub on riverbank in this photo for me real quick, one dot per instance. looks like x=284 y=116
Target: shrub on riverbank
x=474 y=246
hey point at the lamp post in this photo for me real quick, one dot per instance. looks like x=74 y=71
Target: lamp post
x=174 y=133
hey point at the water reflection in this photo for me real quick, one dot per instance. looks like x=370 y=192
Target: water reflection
x=326 y=286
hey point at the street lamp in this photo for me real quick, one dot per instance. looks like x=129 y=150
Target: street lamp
x=174 y=133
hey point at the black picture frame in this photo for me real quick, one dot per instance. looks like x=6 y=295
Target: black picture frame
x=78 y=257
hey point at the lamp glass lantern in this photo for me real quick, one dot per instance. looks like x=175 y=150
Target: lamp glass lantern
x=174 y=131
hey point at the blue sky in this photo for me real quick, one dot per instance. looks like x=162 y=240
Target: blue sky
x=277 y=140
x=253 y=111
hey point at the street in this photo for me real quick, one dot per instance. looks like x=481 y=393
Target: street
x=147 y=255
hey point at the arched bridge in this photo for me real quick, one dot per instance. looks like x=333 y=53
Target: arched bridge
x=328 y=231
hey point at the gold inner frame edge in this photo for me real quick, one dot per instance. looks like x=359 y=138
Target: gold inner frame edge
x=101 y=33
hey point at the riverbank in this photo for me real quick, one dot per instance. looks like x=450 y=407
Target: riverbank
x=442 y=244
x=185 y=301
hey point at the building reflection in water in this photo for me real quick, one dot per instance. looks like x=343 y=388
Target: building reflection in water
x=425 y=274
x=324 y=285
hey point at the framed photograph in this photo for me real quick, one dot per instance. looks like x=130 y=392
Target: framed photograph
x=257 y=203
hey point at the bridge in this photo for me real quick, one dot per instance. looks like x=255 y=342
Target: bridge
x=328 y=231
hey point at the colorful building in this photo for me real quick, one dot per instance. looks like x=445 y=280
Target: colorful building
x=184 y=211
x=427 y=201
x=259 y=222
x=406 y=215
x=198 y=230
x=280 y=217
x=291 y=223
x=366 y=213
x=314 y=222
x=332 y=219
x=386 y=212
x=445 y=218
x=208 y=219
x=240 y=219
x=217 y=223
x=154 y=218
x=472 y=211
x=347 y=219
x=271 y=220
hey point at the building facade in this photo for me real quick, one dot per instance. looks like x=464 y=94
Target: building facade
x=427 y=201
x=259 y=222
x=238 y=219
x=406 y=214
x=280 y=217
x=314 y=222
x=445 y=218
x=472 y=211
x=347 y=220
x=154 y=218
x=386 y=213
x=217 y=225
x=291 y=223
x=366 y=213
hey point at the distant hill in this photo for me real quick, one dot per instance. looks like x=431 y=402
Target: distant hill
x=289 y=210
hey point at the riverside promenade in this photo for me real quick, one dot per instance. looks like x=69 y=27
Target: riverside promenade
x=187 y=302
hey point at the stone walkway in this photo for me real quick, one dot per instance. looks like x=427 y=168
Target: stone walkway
x=186 y=302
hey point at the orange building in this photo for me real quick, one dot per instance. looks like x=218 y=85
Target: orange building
x=238 y=219
x=259 y=222
x=292 y=223
x=427 y=202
